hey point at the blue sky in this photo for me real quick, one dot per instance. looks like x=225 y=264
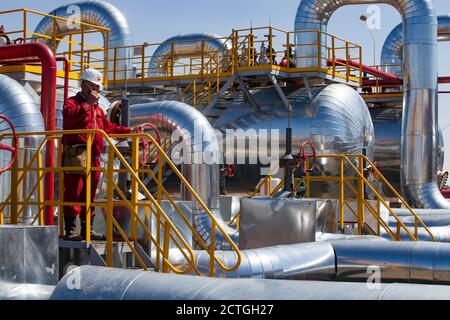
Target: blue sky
x=155 y=21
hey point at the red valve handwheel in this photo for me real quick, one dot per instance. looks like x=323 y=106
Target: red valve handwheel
x=12 y=149
x=303 y=157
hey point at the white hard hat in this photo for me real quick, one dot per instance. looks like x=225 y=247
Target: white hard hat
x=92 y=75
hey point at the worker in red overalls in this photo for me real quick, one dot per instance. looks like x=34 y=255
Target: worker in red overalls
x=83 y=112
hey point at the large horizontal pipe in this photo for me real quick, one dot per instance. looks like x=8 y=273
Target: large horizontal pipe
x=97 y=283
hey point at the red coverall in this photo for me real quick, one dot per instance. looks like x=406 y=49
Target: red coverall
x=76 y=116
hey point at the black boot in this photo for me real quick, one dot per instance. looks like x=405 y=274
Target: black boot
x=94 y=235
x=70 y=229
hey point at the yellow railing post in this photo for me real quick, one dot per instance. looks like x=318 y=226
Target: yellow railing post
x=40 y=175
x=333 y=56
x=378 y=206
x=212 y=248
x=307 y=181
x=109 y=208
x=88 y=186
x=172 y=52
x=166 y=247
x=360 y=196
x=106 y=65
x=115 y=65
x=342 y=193
x=319 y=49
x=70 y=51
x=25 y=32
x=134 y=186
x=347 y=65
x=54 y=36
x=14 y=190
x=82 y=49
x=160 y=178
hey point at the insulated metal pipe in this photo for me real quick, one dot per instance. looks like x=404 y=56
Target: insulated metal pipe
x=186 y=45
x=118 y=284
x=392 y=52
x=48 y=104
x=99 y=13
x=198 y=153
x=25 y=291
x=419 y=128
x=17 y=104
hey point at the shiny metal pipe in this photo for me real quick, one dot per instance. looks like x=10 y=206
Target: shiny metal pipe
x=186 y=45
x=387 y=125
x=200 y=160
x=24 y=112
x=392 y=51
x=25 y=291
x=419 y=128
x=96 y=284
x=425 y=262
x=96 y=12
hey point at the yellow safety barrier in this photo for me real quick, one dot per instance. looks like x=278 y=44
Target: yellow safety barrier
x=78 y=44
x=328 y=52
x=358 y=194
x=152 y=204
x=345 y=161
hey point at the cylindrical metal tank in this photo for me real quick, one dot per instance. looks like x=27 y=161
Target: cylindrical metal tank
x=23 y=111
x=387 y=124
x=335 y=118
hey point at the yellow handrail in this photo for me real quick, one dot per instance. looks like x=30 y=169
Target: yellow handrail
x=360 y=195
x=137 y=184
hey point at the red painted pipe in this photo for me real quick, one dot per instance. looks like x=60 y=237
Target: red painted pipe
x=399 y=82
x=64 y=60
x=369 y=70
x=48 y=104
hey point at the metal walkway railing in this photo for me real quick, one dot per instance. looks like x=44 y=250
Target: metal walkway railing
x=166 y=232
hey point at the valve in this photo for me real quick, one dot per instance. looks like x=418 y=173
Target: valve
x=144 y=143
x=230 y=170
x=303 y=157
x=13 y=149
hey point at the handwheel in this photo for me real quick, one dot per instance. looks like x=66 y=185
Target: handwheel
x=303 y=157
x=145 y=144
x=230 y=170
x=13 y=149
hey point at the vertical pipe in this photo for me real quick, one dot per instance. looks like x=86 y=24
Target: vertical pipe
x=288 y=169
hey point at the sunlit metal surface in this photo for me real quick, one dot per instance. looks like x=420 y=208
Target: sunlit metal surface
x=392 y=52
x=199 y=139
x=419 y=129
x=335 y=119
x=387 y=125
x=187 y=45
x=25 y=291
x=24 y=112
x=96 y=284
x=266 y=222
x=96 y=12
